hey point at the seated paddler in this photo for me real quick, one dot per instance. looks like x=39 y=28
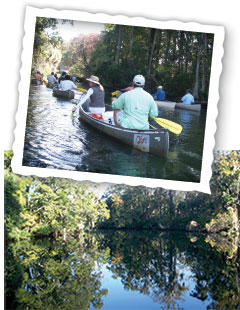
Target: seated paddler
x=67 y=84
x=93 y=99
x=133 y=108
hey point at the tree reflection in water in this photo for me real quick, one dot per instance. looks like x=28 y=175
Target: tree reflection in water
x=163 y=266
x=171 y=268
x=53 y=276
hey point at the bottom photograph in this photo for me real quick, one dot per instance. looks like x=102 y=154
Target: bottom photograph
x=79 y=245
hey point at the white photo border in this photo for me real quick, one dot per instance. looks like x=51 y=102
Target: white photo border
x=212 y=110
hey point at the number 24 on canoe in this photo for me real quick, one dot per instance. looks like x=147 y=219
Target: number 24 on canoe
x=171 y=126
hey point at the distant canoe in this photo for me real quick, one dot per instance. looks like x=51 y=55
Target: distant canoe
x=50 y=85
x=191 y=107
x=36 y=82
x=66 y=94
x=166 y=104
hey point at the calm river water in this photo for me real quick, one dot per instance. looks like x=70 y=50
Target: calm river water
x=124 y=270
x=53 y=139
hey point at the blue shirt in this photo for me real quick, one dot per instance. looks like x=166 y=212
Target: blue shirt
x=159 y=95
x=188 y=99
x=137 y=105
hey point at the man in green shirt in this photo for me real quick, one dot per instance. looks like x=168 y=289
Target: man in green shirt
x=137 y=106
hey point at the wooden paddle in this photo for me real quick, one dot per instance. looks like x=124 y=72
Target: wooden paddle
x=171 y=126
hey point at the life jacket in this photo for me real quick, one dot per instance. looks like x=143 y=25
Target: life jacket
x=97 y=98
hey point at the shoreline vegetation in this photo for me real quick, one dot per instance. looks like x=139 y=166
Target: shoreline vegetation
x=58 y=207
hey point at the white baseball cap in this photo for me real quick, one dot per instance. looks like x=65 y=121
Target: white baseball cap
x=159 y=87
x=139 y=80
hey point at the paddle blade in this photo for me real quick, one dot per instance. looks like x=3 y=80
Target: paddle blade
x=115 y=93
x=171 y=126
x=81 y=89
x=45 y=82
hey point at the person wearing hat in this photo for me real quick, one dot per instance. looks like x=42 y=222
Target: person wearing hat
x=159 y=95
x=188 y=98
x=94 y=97
x=67 y=84
x=137 y=105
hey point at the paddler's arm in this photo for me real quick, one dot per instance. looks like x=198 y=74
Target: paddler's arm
x=118 y=104
x=74 y=86
x=153 y=109
x=85 y=98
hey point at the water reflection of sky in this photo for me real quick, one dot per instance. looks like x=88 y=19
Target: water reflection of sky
x=119 y=298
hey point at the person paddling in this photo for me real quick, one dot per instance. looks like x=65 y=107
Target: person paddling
x=62 y=77
x=38 y=77
x=188 y=98
x=94 y=97
x=137 y=105
x=51 y=79
x=159 y=95
x=67 y=84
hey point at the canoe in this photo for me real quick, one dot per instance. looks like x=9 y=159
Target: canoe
x=153 y=140
x=66 y=94
x=166 y=104
x=190 y=107
x=50 y=85
x=36 y=82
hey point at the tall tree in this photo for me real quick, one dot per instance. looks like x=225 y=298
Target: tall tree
x=119 y=43
x=153 y=35
x=131 y=43
x=204 y=65
x=196 y=85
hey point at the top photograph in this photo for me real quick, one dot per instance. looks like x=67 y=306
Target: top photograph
x=119 y=99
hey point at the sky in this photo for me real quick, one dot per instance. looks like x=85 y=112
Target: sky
x=68 y=31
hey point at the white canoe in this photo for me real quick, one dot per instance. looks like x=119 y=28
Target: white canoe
x=166 y=104
x=191 y=107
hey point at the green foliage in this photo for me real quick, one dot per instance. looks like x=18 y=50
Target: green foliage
x=46 y=49
x=8 y=155
x=143 y=208
x=76 y=54
x=226 y=179
x=169 y=60
x=42 y=207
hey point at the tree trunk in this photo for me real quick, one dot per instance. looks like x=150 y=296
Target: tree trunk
x=131 y=43
x=236 y=220
x=195 y=91
x=169 y=35
x=159 y=49
x=119 y=27
x=181 y=49
x=174 y=49
x=153 y=35
x=204 y=64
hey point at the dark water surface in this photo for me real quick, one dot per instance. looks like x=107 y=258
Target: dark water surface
x=124 y=270
x=53 y=139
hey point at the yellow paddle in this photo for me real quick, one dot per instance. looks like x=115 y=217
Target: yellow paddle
x=115 y=93
x=45 y=82
x=171 y=126
x=81 y=89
